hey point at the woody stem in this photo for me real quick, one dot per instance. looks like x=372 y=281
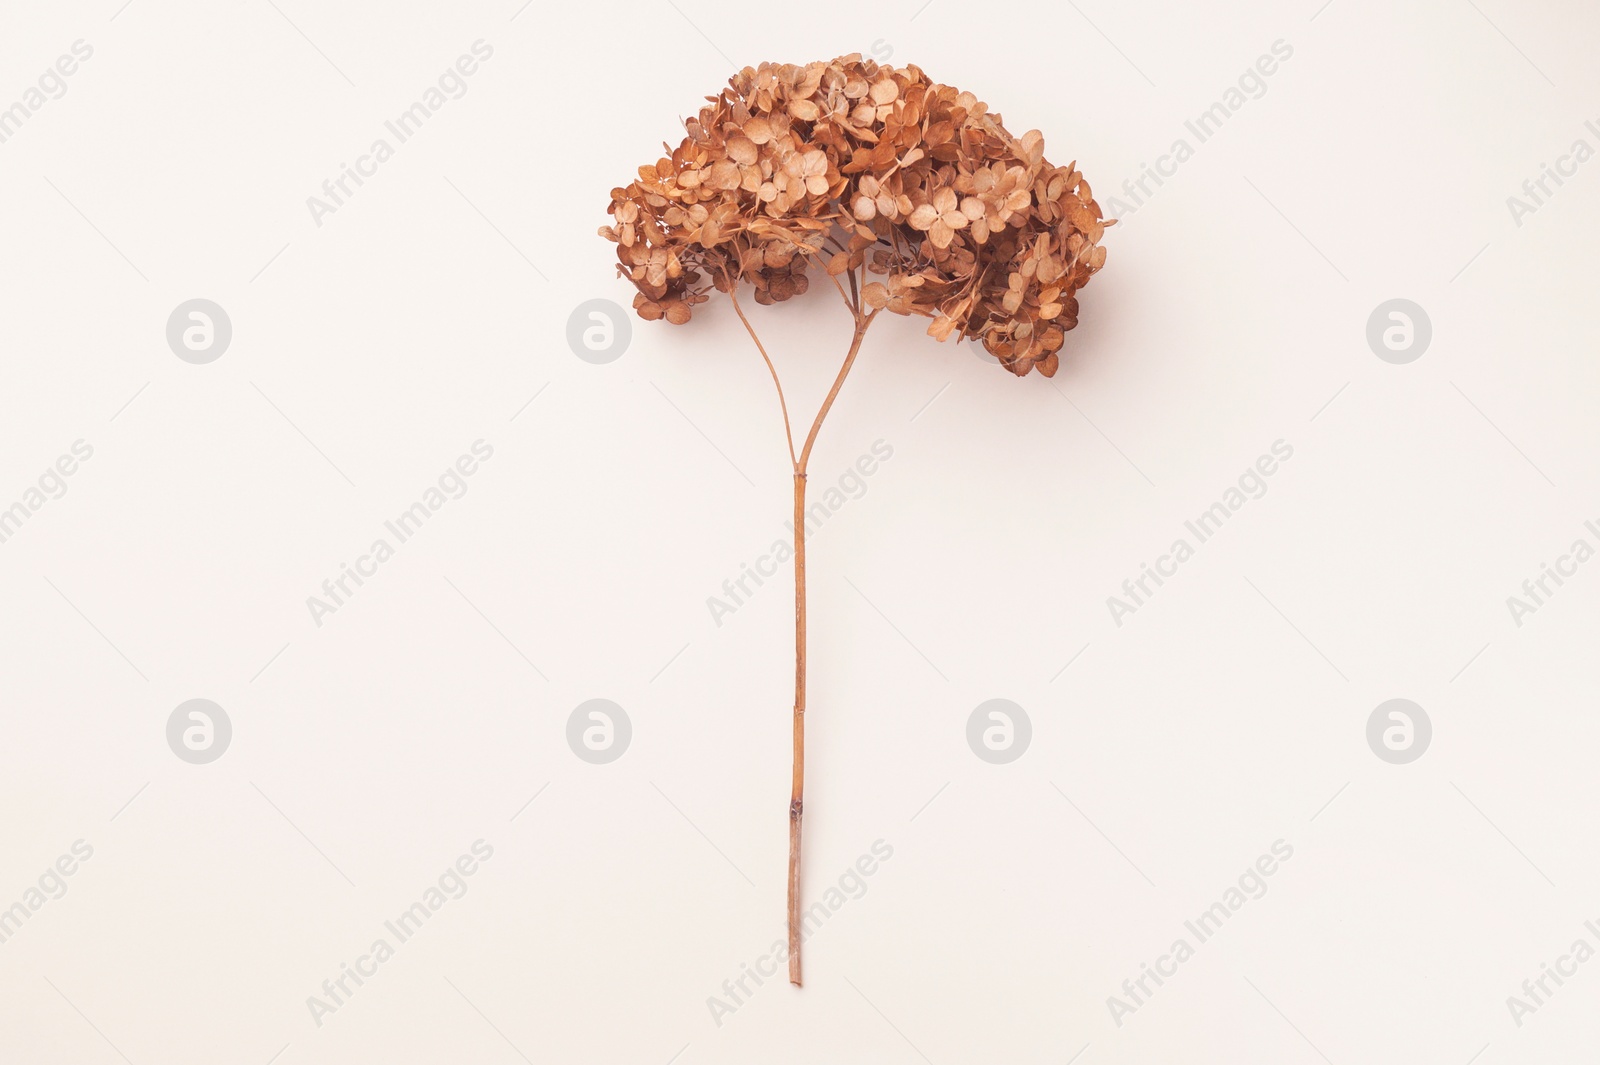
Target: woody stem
x=798 y=776
x=797 y=784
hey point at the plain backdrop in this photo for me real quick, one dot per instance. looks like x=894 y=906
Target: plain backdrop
x=1171 y=747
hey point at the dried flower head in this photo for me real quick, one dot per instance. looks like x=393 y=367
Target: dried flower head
x=847 y=164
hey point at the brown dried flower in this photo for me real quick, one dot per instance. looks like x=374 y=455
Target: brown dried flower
x=861 y=170
x=874 y=167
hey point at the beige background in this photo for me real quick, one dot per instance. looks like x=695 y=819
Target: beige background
x=1229 y=712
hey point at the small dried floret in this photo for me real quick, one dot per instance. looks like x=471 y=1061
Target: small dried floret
x=919 y=182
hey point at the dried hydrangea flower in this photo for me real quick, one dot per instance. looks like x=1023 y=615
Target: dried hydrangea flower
x=910 y=191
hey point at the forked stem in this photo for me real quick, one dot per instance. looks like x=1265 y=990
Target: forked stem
x=797 y=785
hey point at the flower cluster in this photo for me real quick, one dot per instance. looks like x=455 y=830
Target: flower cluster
x=849 y=165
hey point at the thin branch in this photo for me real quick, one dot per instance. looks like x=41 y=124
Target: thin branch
x=782 y=404
x=833 y=393
x=853 y=308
